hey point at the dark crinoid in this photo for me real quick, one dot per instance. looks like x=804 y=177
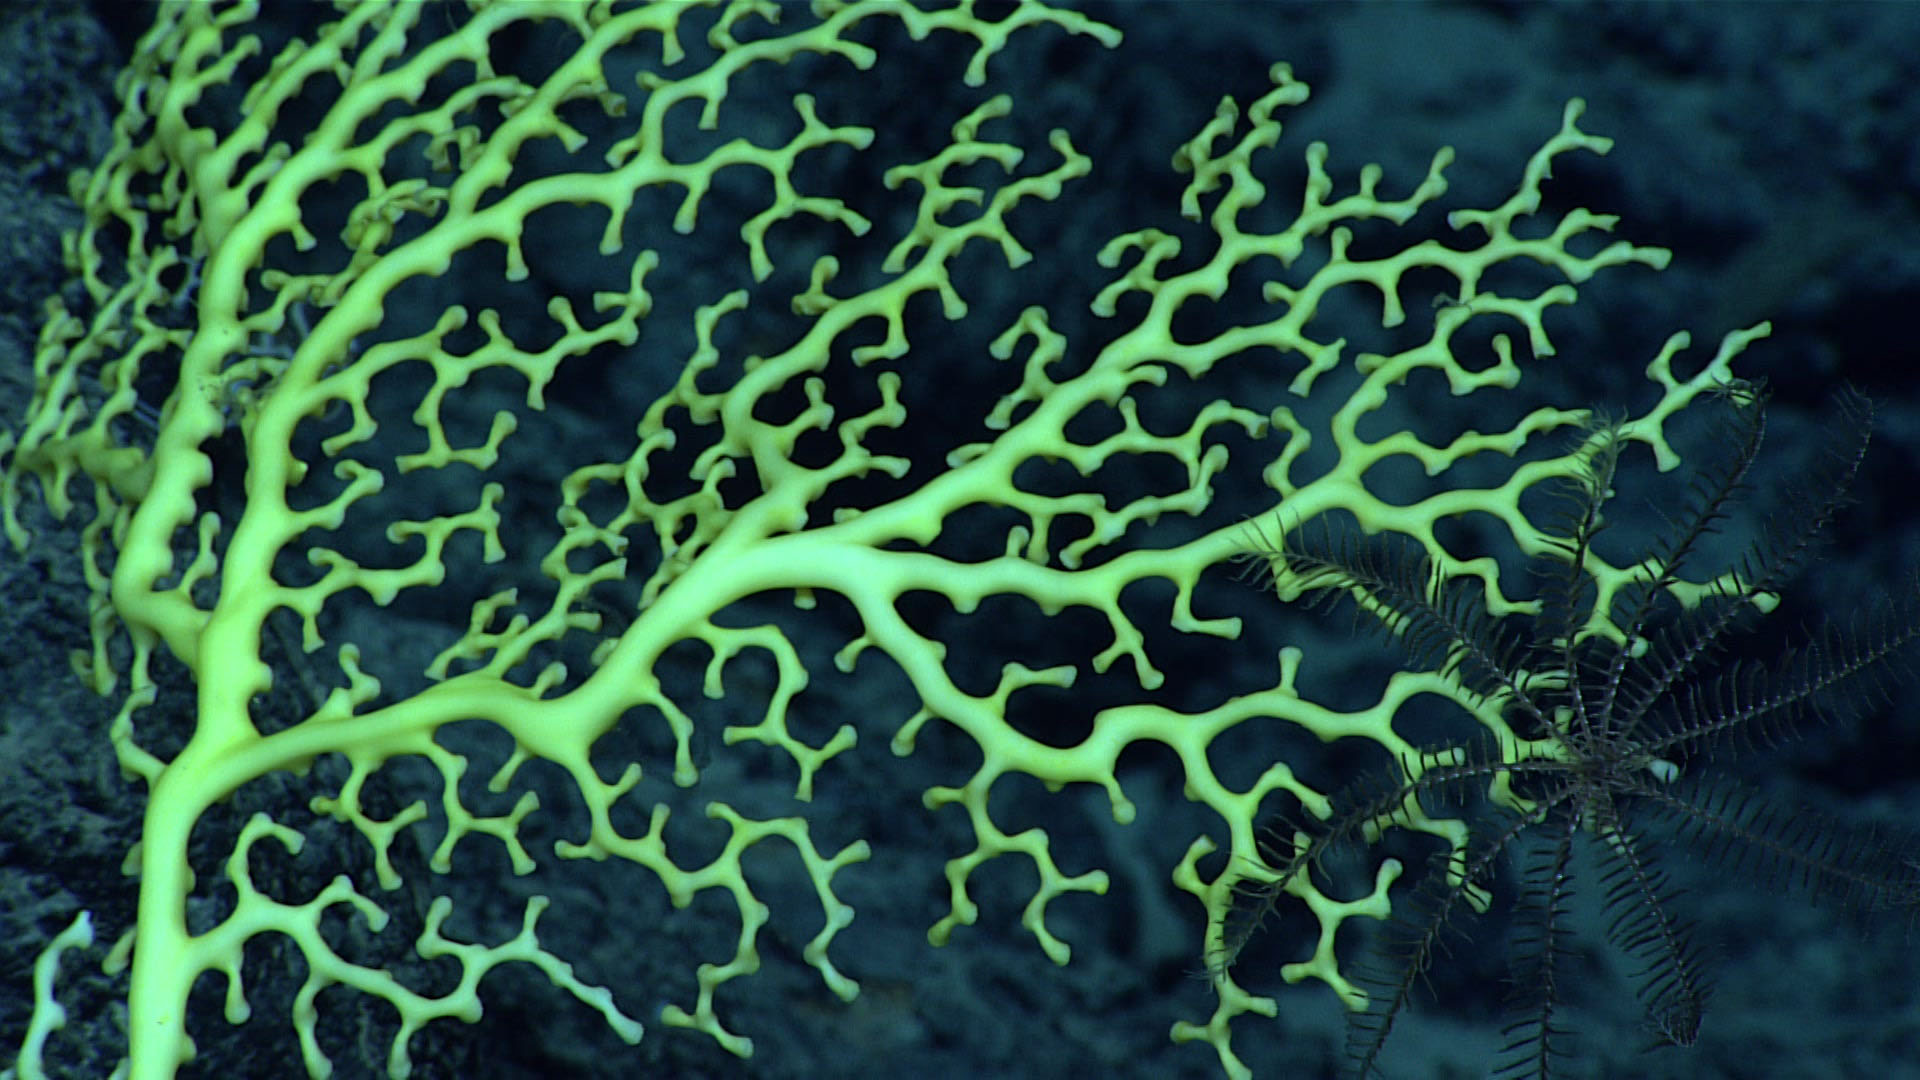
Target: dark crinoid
x=1623 y=700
